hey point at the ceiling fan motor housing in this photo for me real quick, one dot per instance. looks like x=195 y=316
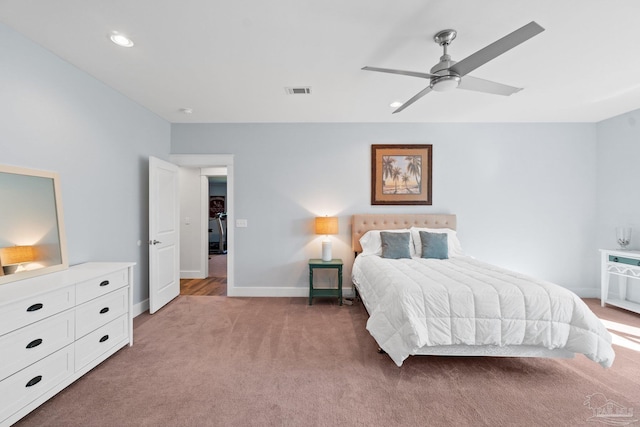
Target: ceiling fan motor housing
x=443 y=78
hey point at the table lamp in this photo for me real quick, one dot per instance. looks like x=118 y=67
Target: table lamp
x=12 y=257
x=326 y=225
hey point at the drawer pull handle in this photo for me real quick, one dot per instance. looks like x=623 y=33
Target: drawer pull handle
x=35 y=307
x=104 y=338
x=33 y=381
x=104 y=283
x=34 y=343
x=104 y=310
x=615 y=259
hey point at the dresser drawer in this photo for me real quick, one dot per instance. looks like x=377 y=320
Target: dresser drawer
x=101 y=340
x=94 y=288
x=27 y=311
x=23 y=347
x=100 y=311
x=30 y=383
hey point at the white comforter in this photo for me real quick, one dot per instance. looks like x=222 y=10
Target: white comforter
x=418 y=302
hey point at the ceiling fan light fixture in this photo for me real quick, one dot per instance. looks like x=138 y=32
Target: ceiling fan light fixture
x=445 y=83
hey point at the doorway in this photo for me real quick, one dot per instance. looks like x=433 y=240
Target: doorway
x=215 y=282
x=211 y=252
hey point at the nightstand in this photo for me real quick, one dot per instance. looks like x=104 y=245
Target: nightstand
x=624 y=264
x=314 y=292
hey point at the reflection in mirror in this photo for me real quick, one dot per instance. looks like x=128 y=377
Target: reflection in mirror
x=32 y=239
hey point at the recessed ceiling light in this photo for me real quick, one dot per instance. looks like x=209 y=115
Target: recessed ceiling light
x=121 y=39
x=395 y=104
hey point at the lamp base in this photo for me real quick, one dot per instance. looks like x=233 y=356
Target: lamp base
x=10 y=269
x=326 y=250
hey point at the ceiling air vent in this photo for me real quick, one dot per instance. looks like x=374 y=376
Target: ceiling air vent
x=304 y=90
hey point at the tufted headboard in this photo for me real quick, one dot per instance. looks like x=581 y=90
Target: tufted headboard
x=361 y=223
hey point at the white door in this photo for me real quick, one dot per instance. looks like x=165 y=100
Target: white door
x=164 y=233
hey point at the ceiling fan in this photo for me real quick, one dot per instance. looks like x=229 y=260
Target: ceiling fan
x=448 y=74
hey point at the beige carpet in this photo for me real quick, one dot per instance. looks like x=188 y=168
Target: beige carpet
x=217 y=361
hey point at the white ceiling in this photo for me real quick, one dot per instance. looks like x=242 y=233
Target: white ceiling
x=230 y=61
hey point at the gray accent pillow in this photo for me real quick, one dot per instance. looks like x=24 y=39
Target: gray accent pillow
x=434 y=245
x=395 y=245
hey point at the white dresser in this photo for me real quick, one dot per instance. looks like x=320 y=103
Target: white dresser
x=56 y=327
x=625 y=265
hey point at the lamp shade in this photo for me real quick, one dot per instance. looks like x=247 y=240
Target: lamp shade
x=326 y=225
x=16 y=255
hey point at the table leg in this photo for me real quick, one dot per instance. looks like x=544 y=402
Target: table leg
x=340 y=284
x=604 y=280
x=310 y=285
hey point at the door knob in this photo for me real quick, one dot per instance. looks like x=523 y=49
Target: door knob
x=154 y=242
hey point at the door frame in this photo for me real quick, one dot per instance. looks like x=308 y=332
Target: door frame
x=210 y=161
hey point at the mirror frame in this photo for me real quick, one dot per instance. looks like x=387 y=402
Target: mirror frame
x=64 y=264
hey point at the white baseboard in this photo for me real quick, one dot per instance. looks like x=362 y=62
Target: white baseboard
x=282 y=292
x=586 y=292
x=255 y=291
x=191 y=274
x=140 y=308
x=285 y=292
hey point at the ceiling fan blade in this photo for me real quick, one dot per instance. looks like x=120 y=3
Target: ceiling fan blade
x=481 y=85
x=402 y=72
x=417 y=96
x=496 y=48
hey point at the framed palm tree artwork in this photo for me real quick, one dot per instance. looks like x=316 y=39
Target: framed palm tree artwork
x=401 y=174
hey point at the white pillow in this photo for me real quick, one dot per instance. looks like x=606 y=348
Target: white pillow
x=455 y=249
x=372 y=244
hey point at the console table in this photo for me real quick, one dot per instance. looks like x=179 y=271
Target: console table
x=57 y=327
x=625 y=265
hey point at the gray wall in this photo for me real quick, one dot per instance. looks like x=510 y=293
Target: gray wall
x=57 y=118
x=524 y=193
x=618 y=169
x=537 y=198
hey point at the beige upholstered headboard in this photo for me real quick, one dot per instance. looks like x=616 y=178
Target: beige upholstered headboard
x=361 y=223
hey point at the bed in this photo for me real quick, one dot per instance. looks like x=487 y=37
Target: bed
x=459 y=306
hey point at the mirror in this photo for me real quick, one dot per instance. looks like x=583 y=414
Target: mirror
x=32 y=238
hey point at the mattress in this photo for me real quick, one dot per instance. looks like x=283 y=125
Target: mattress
x=417 y=303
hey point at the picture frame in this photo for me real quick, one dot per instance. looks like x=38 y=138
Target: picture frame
x=401 y=174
